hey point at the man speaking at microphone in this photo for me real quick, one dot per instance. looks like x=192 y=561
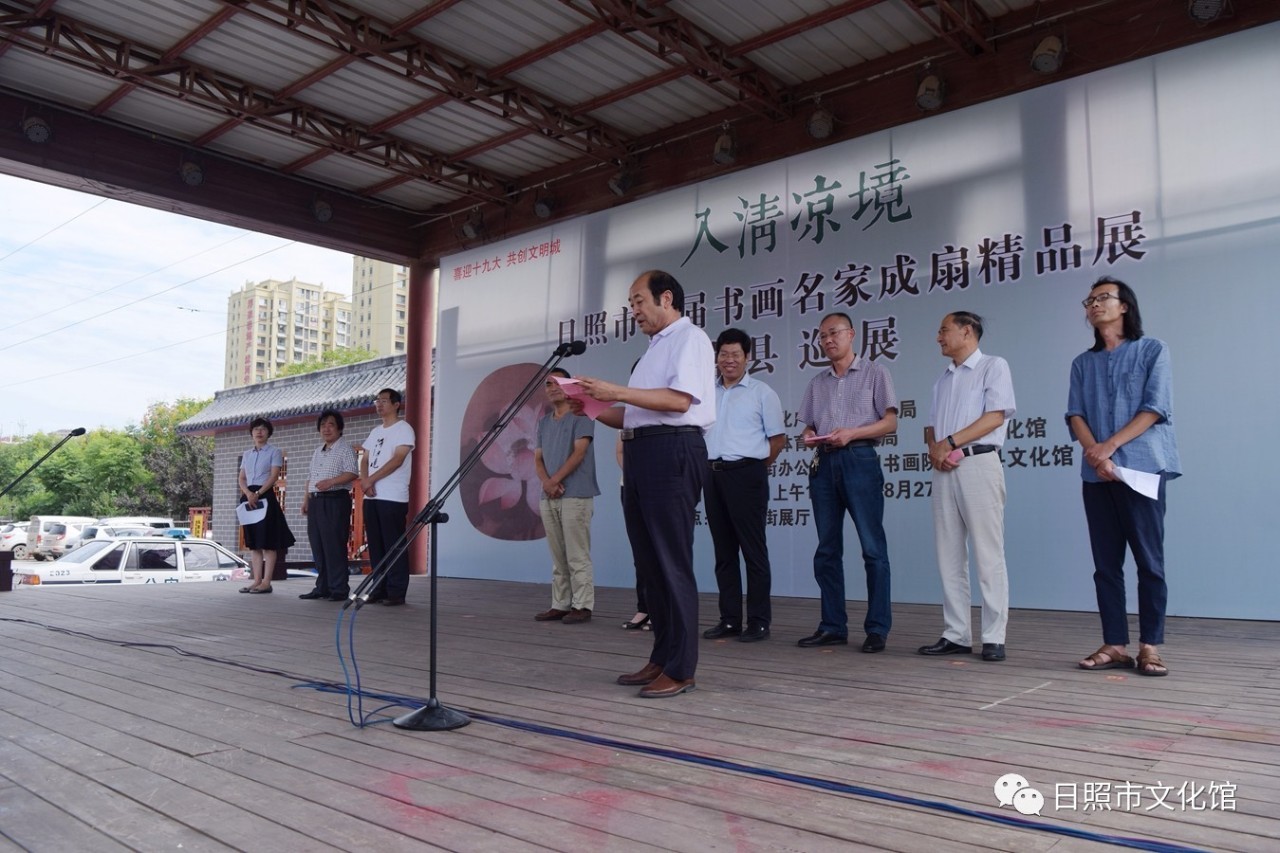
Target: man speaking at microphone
x=667 y=406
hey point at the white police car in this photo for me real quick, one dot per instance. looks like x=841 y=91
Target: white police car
x=143 y=559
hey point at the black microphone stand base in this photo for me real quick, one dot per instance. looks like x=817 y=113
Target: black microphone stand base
x=432 y=717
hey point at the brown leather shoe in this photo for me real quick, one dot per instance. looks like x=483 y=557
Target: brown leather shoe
x=664 y=686
x=576 y=615
x=550 y=615
x=641 y=678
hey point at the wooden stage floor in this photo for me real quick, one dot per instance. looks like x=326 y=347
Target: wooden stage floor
x=180 y=718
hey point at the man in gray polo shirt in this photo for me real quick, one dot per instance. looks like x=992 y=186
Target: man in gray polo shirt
x=567 y=469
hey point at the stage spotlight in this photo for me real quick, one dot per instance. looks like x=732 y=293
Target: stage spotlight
x=930 y=93
x=725 y=150
x=36 y=129
x=620 y=183
x=1205 y=11
x=473 y=228
x=191 y=173
x=820 y=124
x=1047 y=57
x=321 y=210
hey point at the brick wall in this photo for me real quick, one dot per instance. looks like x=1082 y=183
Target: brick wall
x=297 y=441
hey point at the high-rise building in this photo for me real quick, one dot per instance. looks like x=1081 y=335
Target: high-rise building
x=274 y=323
x=379 y=306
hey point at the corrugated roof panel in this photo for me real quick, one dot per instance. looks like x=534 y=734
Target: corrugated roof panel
x=259 y=53
x=45 y=77
x=346 y=173
x=417 y=195
x=364 y=93
x=510 y=28
x=156 y=23
x=662 y=106
x=164 y=114
x=452 y=127
x=259 y=145
x=530 y=153
x=592 y=69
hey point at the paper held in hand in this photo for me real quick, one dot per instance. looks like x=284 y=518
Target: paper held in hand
x=251 y=516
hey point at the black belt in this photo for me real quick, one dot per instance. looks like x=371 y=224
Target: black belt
x=862 y=442
x=331 y=493
x=975 y=449
x=645 y=431
x=722 y=465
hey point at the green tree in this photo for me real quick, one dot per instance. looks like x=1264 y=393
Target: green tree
x=330 y=358
x=99 y=474
x=181 y=466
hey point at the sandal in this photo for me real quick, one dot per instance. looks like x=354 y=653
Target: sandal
x=1107 y=657
x=1148 y=656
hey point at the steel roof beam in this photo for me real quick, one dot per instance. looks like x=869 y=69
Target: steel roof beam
x=104 y=53
x=338 y=25
x=679 y=42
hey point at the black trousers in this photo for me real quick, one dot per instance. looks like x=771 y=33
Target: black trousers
x=662 y=482
x=384 y=524
x=328 y=529
x=736 y=502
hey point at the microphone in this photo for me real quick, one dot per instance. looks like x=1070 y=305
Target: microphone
x=571 y=348
x=77 y=431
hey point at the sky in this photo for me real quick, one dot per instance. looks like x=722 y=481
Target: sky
x=107 y=307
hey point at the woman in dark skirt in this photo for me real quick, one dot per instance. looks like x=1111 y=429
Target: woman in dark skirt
x=259 y=470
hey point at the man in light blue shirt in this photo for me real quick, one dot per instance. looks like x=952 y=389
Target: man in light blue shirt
x=746 y=438
x=1120 y=409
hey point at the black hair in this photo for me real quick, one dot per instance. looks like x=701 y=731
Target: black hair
x=262 y=422
x=337 y=420
x=734 y=336
x=1132 y=329
x=392 y=393
x=841 y=315
x=559 y=371
x=660 y=281
x=970 y=319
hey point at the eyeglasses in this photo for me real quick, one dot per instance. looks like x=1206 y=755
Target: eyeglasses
x=1100 y=298
x=827 y=336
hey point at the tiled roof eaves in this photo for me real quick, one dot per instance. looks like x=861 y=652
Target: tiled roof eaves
x=344 y=388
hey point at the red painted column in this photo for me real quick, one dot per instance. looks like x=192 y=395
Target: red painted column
x=417 y=397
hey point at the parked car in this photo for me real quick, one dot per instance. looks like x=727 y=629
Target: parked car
x=143 y=559
x=13 y=537
x=90 y=532
x=40 y=528
x=177 y=532
x=155 y=522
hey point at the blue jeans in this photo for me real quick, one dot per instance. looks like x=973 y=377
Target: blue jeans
x=1119 y=516
x=850 y=480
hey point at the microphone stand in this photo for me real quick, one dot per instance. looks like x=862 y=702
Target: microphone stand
x=434 y=716
x=75 y=432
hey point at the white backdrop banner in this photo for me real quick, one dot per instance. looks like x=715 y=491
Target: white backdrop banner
x=1164 y=173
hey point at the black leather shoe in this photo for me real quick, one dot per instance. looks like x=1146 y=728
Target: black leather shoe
x=754 y=633
x=823 y=638
x=993 y=651
x=340 y=596
x=945 y=647
x=392 y=602
x=315 y=593
x=872 y=644
x=723 y=629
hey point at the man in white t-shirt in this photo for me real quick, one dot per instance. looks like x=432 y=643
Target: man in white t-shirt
x=384 y=478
